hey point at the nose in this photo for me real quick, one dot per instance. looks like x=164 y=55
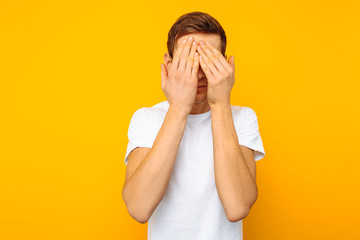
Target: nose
x=201 y=74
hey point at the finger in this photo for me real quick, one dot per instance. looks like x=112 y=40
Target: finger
x=185 y=54
x=211 y=56
x=178 y=52
x=190 y=61
x=208 y=62
x=219 y=56
x=209 y=75
x=195 y=68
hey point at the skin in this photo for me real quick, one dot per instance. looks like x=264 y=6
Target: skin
x=149 y=169
x=200 y=104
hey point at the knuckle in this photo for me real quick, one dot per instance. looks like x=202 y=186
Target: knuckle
x=224 y=73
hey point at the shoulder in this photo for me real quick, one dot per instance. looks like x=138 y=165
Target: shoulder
x=160 y=108
x=242 y=113
x=151 y=115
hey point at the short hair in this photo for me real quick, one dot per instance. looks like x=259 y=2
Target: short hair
x=194 y=22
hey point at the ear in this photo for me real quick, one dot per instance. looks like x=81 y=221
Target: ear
x=167 y=60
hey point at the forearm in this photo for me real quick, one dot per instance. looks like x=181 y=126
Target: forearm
x=235 y=185
x=146 y=187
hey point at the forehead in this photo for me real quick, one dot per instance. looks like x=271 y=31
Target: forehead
x=213 y=39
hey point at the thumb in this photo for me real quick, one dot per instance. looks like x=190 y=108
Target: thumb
x=232 y=61
x=164 y=74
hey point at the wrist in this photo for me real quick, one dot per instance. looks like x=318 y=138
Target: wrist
x=178 y=112
x=220 y=105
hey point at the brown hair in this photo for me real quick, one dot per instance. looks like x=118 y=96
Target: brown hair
x=195 y=22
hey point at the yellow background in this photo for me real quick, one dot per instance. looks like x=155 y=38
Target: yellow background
x=73 y=73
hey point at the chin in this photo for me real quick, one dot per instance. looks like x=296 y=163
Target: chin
x=200 y=98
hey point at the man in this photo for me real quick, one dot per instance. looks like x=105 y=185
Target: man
x=191 y=168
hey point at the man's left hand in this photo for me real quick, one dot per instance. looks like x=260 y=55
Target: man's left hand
x=219 y=73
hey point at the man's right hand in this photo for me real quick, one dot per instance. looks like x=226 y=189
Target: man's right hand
x=179 y=82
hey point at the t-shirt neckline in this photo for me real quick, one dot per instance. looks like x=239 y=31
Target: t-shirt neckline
x=199 y=115
x=195 y=116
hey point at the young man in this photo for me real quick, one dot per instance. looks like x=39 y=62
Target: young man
x=191 y=168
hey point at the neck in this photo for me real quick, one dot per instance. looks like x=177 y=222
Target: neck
x=200 y=107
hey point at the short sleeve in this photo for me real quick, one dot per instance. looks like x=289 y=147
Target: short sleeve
x=247 y=128
x=140 y=133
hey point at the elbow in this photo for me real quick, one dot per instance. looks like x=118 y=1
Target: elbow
x=236 y=216
x=134 y=211
x=241 y=211
x=139 y=216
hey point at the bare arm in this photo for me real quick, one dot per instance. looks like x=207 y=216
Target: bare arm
x=234 y=177
x=145 y=188
x=235 y=182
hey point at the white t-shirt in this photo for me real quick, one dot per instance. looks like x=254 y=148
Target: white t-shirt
x=191 y=207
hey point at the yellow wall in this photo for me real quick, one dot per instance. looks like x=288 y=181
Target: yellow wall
x=73 y=72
